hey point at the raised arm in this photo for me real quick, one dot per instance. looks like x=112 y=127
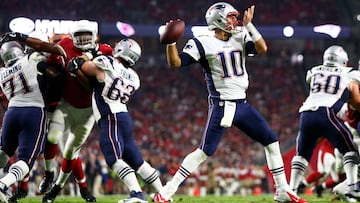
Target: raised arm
x=172 y=56
x=260 y=44
x=34 y=43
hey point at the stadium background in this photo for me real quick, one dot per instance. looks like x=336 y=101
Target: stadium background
x=169 y=110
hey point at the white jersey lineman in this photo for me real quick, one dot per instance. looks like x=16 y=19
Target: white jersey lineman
x=24 y=123
x=19 y=82
x=114 y=92
x=328 y=87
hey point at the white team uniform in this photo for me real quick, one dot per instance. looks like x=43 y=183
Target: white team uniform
x=24 y=123
x=226 y=61
x=328 y=86
x=119 y=83
x=19 y=82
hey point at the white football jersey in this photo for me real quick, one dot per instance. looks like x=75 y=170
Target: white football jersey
x=19 y=82
x=111 y=95
x=225 y=71
x=328 y=85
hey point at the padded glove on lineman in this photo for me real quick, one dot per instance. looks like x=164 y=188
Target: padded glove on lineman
x=13 y=36
x=75 y=64
x=92 y=53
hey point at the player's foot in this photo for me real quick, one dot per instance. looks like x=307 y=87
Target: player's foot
x=51 y=195
x=353 y=191
x=159 y=198
x=301 y=188
x=3 y=197
x=284 y=195
x=318 y=189
x=340 y=190
x=19 y=194
x=46 y=182
x=138 y=197
x=86 y=195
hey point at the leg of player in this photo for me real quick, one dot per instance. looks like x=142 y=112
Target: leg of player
x=22 y=190
x=150 y=175
x=17 y=172
x=54 y=138
x=50 y=152
x=127 y=175
x=276 y=166
x=190 y=164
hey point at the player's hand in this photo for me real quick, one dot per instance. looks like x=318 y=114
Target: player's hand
x=248 y=15
x=92 y=53
x=74 y=65
x=13 y=36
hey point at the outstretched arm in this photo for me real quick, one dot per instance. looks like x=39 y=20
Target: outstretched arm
x=34 y=43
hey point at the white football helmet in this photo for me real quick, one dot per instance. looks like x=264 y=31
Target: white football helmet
x=11 y=52
x=129 y=50
x=335 y=56
x=216 y=17
x=84 y=34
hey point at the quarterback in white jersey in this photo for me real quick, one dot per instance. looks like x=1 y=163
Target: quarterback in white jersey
x=115 y=82
x=24 y=122
x=331 y=87
x=222 y=57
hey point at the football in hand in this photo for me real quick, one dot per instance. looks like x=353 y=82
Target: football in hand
x=174 y=30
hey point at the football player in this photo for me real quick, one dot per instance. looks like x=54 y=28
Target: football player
x=72 y=119
x=20 y=85
x=222 y=56
x=331 y=87
x=116 y=83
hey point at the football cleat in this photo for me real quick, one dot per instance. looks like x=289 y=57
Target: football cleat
x=159 y=198
x=46 y=182
x=51 y=195
x=340 y=190
x=3 y=197
x=287 y=196
x=301 y=188
x=353 y=191
x=86 y=195
x=135 y=197
x=19 y=194
x=318 y=189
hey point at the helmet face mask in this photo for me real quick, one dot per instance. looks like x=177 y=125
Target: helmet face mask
x=128 y=50
x=11 y=52
x=335 y=56
x=84 y=34
x=223 y=16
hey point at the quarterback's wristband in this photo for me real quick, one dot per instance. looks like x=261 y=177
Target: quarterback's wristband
x=254 y=33
x=171 y=44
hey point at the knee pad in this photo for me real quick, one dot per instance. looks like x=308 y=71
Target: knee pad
x=20 y=168
x=54 y=135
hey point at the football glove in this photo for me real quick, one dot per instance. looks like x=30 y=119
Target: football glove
x=92 y=53
x=13 y=36
x=75 y=64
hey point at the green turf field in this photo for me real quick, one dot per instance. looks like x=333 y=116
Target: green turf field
x=188 y=199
